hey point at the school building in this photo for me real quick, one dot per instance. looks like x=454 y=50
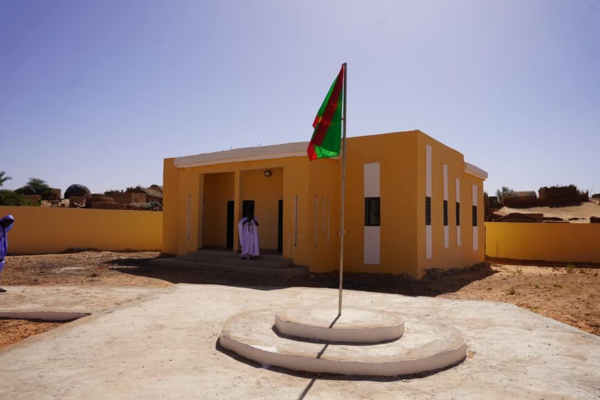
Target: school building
x=412 y=204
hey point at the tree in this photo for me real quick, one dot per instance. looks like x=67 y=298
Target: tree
x=3 y=178
x=500 y=193
x=137 y=189
x=35 y=186
x=10 y=198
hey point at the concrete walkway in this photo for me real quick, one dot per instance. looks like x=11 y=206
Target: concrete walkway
x=148 y=343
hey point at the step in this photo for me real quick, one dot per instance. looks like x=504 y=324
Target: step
x=353 y=326
x=247 y=268
x=426 y=346
x=231 y=258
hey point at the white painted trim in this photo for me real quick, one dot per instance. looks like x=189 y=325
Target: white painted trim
x=475 y=228
x=371 y=180
x=445 y=172
x=428 y=242
x=286 y=150
x=428 y=171
x=446 y=227
x=457 y=190
x=428 y=230
x=475 y=171
x=372 y=234
x=458 y=232
x=372 y=245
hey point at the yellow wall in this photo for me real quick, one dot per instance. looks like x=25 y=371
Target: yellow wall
x=543 y=241
x=53 y=230
x=288 y=182
x=266 y=193
x=398 y=165
x=454 y=256
x=170 y=227
x=321 y=217
x=311 y=232
x=296 y=237
x=218 y=190
x=190 y=194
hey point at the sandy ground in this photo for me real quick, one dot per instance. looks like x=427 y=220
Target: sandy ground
x=163 y=343
x=564 y=292
x=580 y=213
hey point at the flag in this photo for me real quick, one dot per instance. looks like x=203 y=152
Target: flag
x=326 y=138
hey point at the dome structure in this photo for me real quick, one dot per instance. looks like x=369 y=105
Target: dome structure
x=77 y=190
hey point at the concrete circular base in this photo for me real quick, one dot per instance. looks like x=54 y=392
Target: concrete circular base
x=353 y=326
x=425 y=346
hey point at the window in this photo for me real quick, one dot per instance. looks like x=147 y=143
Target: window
x=457 y=214
x=427 y=210
x=372 y=211
x=474 y=215
x=445 y=212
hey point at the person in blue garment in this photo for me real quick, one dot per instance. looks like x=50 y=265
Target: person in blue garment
x=5 y=224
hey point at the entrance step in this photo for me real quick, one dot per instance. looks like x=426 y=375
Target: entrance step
x=271 y=265
x=233 y=258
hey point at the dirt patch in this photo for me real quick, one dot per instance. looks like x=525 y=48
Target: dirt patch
x=15 y=330
x=567 y=293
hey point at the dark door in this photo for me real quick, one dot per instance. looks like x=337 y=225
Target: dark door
x=230 y=224
x=280 y=227
x=247 y=208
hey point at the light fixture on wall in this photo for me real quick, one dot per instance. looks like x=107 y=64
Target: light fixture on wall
x=267 y=172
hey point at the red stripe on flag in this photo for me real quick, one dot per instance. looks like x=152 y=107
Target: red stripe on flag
x=323 y=125
x=312 y=155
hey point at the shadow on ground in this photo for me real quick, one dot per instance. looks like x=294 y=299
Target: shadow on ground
x=434 y=283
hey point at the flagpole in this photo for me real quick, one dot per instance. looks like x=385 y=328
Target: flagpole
x=345 y=66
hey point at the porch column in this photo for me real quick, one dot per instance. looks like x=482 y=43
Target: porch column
x=237 y=197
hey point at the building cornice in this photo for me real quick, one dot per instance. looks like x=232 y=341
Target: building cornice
x=475 y=171
x=286 y=150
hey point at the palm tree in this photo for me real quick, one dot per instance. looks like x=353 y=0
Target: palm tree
x=35 y=186
x=3 y=178
x=500 y=193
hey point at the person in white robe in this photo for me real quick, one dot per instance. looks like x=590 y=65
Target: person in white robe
x=248 y=231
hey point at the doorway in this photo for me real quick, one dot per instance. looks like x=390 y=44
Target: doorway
x=280 y=227
x=230 y=224
x=247 y=208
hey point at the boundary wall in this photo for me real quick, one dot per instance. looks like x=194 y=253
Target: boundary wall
x=543 y=241
x=40 y=230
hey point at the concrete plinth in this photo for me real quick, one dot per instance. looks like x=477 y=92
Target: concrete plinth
x=425 y=346
x=353 y=326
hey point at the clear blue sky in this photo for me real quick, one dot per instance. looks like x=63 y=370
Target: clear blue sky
x=100 y=92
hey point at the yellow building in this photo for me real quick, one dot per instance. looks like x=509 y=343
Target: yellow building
x=412 y=204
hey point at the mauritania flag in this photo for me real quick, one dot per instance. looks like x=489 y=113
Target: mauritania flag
x=326 y=138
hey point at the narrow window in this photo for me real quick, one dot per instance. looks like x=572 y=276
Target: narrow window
x=445 y=212
x=474 y=215
x=457 y=214
x=372 y=211
x=427 y=210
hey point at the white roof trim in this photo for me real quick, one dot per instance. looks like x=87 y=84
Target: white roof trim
x=475 y=171
x=297 y=149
